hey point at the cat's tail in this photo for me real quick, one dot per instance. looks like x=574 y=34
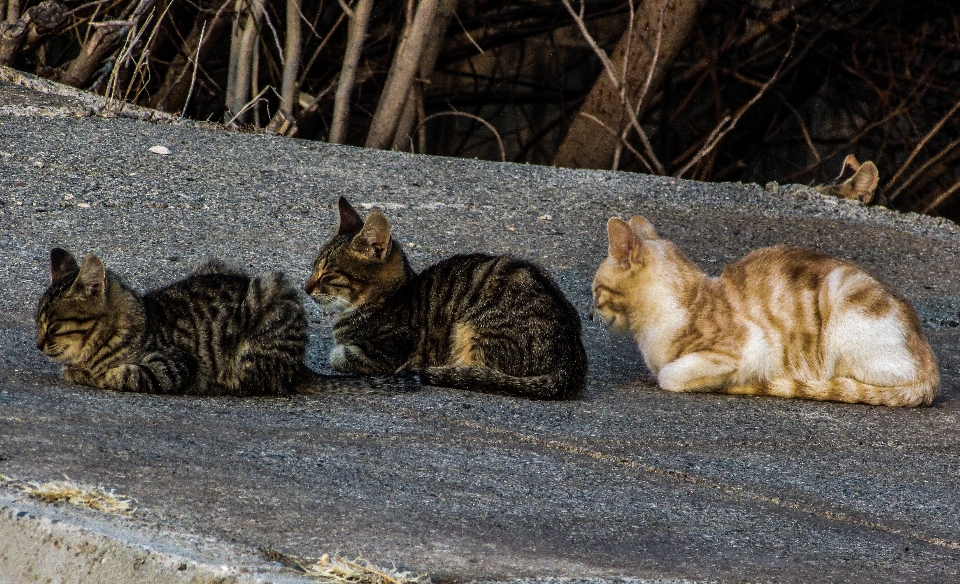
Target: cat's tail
x=486 y=380
x=845 y=389
x=313 y=383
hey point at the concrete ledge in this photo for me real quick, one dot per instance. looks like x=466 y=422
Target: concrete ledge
x=44 y=543
x=629 y=484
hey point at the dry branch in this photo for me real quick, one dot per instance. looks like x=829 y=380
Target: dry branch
x=356 y=35
x=399 y=79
x=586 y=147
x=244 y=51
x=428 y=62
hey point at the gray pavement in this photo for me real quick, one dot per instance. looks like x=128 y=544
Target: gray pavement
x=629 y=482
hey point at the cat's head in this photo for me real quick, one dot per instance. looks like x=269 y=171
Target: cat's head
x=360 y=263
x=856 y=181
x=628 y=259
x=75 y=303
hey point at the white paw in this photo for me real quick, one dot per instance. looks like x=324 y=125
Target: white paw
x=338 y=358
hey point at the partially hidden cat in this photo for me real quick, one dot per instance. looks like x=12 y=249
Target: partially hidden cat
x=494 y=324
x=216 y=332
x=856 y=181
x=782 y=321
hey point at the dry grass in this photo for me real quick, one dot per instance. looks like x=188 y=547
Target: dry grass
x=359 y=571
x=67 y=491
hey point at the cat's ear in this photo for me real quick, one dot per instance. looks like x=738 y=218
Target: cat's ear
x=863 y=183
x=642 y=228
x=374 y=238
x=62 y=263
x=350 y=221
x=850 y=167
x=624 y=245
x=92 y=279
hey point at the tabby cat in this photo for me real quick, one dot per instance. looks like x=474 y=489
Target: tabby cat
x=781 y=321
x=217 y=332
x=494 y=324
x=856 y=181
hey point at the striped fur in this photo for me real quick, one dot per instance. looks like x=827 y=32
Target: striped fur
x=217 y=332
x=781 y=321
x=494 y=324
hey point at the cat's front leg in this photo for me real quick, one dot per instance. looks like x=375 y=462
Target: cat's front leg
x=155 y=373
x=78 y=375
x=701 y=371
x=353 y=360
x=415 y=364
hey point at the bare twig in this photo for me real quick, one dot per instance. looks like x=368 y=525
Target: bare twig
x=728 y=122
x=623 y=139
x=356 y=35
x=496 y=134
x=193 y=78
x=256 y=100
x=941 y=198
x=289 y=88
x=405 y=63
x=467 y=33
x=621 y=88
x=925 y=167
x=921 y=144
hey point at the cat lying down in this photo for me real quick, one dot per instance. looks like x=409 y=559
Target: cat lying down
x=496 y=324
x=781 y=321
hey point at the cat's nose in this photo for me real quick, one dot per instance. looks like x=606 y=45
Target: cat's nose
x=41 y=341
x=590 y=313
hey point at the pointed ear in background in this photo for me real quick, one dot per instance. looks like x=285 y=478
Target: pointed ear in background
x=850 y=167
x=350 y=221
x=864 y=182
x=62 y=263
x=642 y=228
x=92 y=278
x=374 y=238
x=624 y=245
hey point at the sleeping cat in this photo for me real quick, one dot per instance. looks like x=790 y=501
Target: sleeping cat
x=781 y=321
x=217 y=332
x=494 y=324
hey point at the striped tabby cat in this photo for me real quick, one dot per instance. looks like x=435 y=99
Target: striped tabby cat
x=781 y=321
x=217 y=332
x=493 y=324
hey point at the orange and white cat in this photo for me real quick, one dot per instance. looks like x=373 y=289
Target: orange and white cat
x=781 y=321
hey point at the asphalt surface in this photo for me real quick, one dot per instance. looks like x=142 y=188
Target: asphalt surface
x=629 y=481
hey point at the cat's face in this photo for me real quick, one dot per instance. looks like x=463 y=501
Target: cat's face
x=358 y=264
x=72 y=306
x=627 y=265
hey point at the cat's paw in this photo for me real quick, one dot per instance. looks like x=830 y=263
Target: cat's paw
x=340 y=359
x=77 y=375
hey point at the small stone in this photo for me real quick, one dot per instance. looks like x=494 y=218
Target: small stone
x=161 y=150
x=83 y=205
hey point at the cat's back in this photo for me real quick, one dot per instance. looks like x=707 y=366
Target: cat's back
x=485 y=279
x=222 y=297
x=201 y=292
x=808 y=283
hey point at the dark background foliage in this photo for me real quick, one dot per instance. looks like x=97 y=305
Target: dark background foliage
x=759 y=90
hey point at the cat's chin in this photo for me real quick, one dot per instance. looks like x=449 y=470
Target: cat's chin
x=331 y=305
x=610 y=323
